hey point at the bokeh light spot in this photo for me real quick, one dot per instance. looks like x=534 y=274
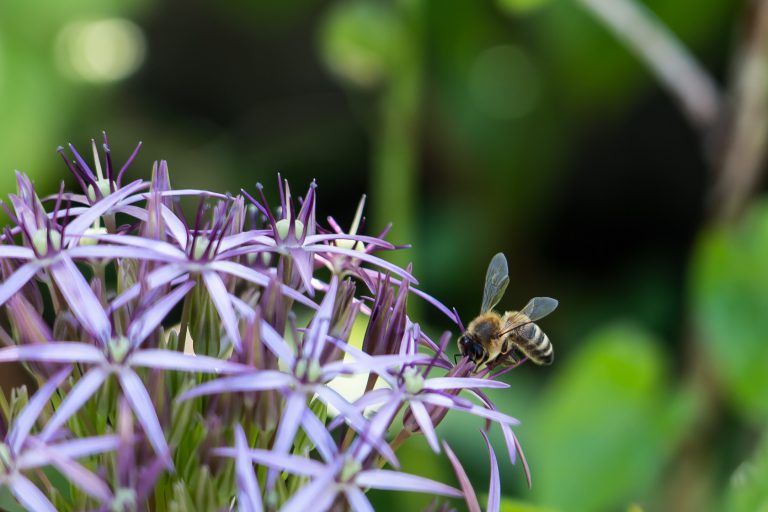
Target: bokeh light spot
x=503 y=83
x=100 y=51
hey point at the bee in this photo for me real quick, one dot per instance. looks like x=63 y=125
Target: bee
x=491 y=338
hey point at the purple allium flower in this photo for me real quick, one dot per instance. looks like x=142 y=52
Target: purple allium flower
x=306 y=378
x=20 y=452
x=101 y=183
x=210 y=329
x=117 y=354
x=342 y=474
x=295 y=235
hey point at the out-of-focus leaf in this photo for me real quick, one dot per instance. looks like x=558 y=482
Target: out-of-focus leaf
x=521 y=506
x=521 y=6
x=730 y=298
x=362 y=41
x=606 y=425
x=748 y=491
x=8 y=502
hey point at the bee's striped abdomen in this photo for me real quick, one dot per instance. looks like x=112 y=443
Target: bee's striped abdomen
x=532 y=341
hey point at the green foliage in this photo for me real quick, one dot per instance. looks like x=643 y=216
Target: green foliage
x=521 y=6
x=748 y=490
x=8 y=502
x=730 y=300
x=363 y=41
x=609 y=407
x=519 y=506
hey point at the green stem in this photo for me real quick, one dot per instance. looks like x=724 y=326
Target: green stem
x=396 y=144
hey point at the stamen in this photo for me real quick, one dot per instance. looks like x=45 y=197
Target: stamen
x=128 y=163
x=72 y=169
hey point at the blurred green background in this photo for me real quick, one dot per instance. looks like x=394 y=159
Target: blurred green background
x=521 y=126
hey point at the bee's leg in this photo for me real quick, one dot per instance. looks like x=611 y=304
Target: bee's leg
x=455 y=357
x=509 y=358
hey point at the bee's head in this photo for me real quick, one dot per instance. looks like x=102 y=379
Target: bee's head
x=470 y=347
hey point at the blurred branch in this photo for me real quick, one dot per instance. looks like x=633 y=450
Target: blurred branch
x=744 y=148
x=674 y=66
x=740 y=157
x=396 y=142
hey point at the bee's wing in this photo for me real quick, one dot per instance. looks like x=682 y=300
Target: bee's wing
x=539 y=307
x=496 y=281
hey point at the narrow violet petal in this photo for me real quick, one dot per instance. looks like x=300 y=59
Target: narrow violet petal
x=220 y=297
x=317 y=496
x=116 y=252
x=303 y=262
x=425 y=424
x=144 y=325
x=133 y=211
x=332 y=398
x=238 y=239
x=81 y=299
x=165 y=275
x=249 y=274
x=316 y=239
x=176 y=193
x=26 y=419
x=144 y=409
x=242 y=307
x=466 y=486
x=379 y=425
x=56 y=352
x=254 y=381
x=175 y=226
x=163 y=250
x=318 y=433
x=509 y=440
x=249 y=497
x=373 y=398
x=493 y=415
x=276 y=343
x=86 y=219
x=169 y=360
x=364 y=257
x=15 y=281
x=77 y=396
x=295 y=405
x=314 y=338
x=396 y=481
x=462 y=382
x=494 y=487
x=16 y=251
x=519 y=450
x=81 y=477
x=124 y=298
x=370 y=399
x=29 y=495
x=443 y=401
x=357 y=500
x=85 y=446
x=291 y=463
x=368 y=363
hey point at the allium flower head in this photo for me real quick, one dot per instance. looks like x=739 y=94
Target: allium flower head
x=192 y=361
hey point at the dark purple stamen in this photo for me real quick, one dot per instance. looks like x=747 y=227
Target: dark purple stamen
x=72 y=169
x=128 y=163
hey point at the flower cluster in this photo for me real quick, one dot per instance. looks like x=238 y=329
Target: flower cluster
x=193 y=361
